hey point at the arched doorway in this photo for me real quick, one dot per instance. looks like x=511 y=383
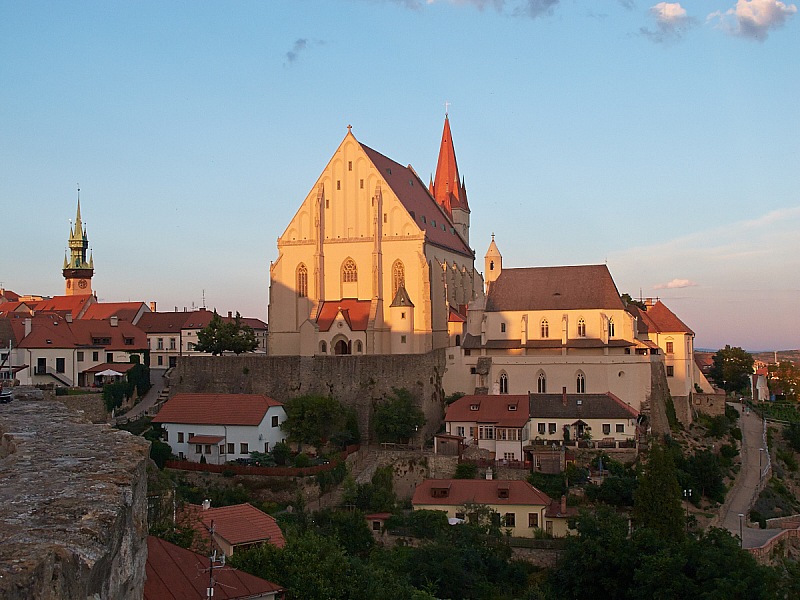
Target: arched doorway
x=341 y=347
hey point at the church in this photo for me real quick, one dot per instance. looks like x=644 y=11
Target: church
x=374 y=261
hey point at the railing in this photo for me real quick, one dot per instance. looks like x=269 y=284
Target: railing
x=54 y=374
x=509 y=464
x=602 y=443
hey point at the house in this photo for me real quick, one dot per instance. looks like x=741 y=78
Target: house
x=516 y=505
x=759 y=385
x=544 y=328
x=236 y=527
x=174 y=573
x=374 y=261
x=221 y=427
x=51 y=347
x=171 y=335
x=498 y=424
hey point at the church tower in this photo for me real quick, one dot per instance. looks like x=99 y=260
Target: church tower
x=448 y=189
x=77 y=271
x=493 y=262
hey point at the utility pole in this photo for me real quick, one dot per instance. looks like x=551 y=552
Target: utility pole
x=214 y=563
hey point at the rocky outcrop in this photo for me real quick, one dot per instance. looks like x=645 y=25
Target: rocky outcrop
x=73 y=508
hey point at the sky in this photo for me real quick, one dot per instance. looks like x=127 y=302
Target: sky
x=662 y=139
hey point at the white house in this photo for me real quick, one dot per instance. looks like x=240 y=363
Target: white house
x=221 y=427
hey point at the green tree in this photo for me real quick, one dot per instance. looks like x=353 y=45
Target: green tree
x=226 y=336
x=785 y=380
x=626 y=298
x=732 y=369
x=397 y=419
x=349 y=527
x=466 y=470
x=313 y=419
x=657 y=499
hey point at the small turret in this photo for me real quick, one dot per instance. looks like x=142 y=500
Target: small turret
x=494 y=263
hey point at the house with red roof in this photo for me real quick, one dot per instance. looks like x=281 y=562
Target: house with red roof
x=232 y=528
x=515 y=505
x=375 y=261
x=174 y=573
x=171 y=335
x=221 y=427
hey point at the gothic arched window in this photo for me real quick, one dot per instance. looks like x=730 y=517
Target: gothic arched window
x=580 y=383
x=545 y=327
x=503 y=383
x=611 y=328
x=302 y=281
x=541 y=384
x=349 y=271
x=581 y=327
x=398 y=276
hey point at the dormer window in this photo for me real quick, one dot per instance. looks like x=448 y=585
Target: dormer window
x=502 y=492
x=512 y=407
x=474 y=406
x=439 y=492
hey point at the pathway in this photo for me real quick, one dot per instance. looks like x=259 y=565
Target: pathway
x=744 y=491
x=149 y=399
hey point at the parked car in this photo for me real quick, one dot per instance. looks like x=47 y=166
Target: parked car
x=5 y=396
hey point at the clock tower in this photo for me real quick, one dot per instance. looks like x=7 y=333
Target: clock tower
x=77 y=271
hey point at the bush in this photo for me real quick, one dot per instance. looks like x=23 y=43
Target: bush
x=160 y=452
x=466 y=471
x=281 y=452
x=302 y=460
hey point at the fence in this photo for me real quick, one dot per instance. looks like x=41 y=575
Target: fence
x=509 y=464
x=185 y=465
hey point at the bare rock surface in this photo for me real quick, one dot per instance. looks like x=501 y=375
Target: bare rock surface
x=73 y=506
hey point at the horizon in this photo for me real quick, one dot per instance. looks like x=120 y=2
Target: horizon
x=657 y=139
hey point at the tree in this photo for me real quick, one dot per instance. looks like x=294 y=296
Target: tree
x=785 y=380
x=398 y=419
x=314 y=420
x=626 y=298
x=657 y=499
x=226 y=336
x=732 y=369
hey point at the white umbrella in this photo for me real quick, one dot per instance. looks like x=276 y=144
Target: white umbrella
x=110 y=372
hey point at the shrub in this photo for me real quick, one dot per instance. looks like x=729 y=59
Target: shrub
x=302 y=460
x=466 y=471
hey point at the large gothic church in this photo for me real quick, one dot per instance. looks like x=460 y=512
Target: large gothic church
x=375 y=261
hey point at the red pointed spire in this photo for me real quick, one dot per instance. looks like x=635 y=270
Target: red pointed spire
x=447 y=188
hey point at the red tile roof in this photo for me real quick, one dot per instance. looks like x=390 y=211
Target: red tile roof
x=447 y=187
x=125 y=311
x=74 y=305
x=417 y=200
x=666 y=321
x=554 y=288
x=479 y=491
x=9 y=296
x=174 y=573
x=118 y=367
x=355 y=312
x=174 y=322
x=215 y=409
x=206 y=439
x=490 y=409
x=240 y=524
x=51 y=330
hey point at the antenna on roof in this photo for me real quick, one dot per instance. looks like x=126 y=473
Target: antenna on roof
x=204 y=299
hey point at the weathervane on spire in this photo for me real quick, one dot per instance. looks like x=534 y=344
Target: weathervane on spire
x=446 y=107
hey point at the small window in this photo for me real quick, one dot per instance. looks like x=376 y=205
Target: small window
x=458 y=339
x=551 y=428
x=172 y=343
x=376 y=526
x=385 y=218
x=670 y=371
x=503 y=383
x=502 y=492
x=338 y=184
x=545 y=328
x=60 y=365
x=96 y=355
x=244 y=448
x=433 y=222
x=208 y=448
x=581 y=327
x=222 y=448
x=611 y=328
x=165 y=436
x=323 y=347
x=80 y=356
x=474 y=406
x=159 y=360
x=402 y=315
x=620 y=427
x=541 y=384
x=349 y=165
x=128 y=341
x=533 y=519
x=580 y=384
x=510 y=520
x=231 y=448
x=361 y=183
x=473 y=370
x=402 y=339
x=160 y=344
x=275 y=421
x=541 y=428
x=359 y=346
x=502 y=327
x=512 y=407
x=198 y=449
x=180 y=437
x=606 y=428
x=670 y=348
x=439 y=492
x=327 y=203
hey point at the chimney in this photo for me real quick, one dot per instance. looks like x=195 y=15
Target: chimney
x=563 y=504
x=152 y=307
x=28 y=326
x=114 y=321
x=488 y=473
x=206 y=504
x=564 y=395
x=648 y=302
x=230 y=314
x=68 y=317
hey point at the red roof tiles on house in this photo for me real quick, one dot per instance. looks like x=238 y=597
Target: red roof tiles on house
x=667 y=321
x=242 y=524
x=174 y=573
x=73 y=305
x=490 y=409
x=479 y=491
x=355 y=313
x=124 y=311
x=216 y=409
x=447 y=188
x=554 y=288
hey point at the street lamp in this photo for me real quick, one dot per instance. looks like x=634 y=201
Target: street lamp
x=741 y=528
x=760 y=455
x=687 y=495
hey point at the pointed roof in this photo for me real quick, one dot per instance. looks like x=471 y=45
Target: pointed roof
x=493 y=251
x=401 y=298
x=216 y=409
x=355 y=313
x=448 y=188
x=666 y=321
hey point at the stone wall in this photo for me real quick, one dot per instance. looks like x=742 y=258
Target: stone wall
x=659 y=396
x=91 y=405
x=73 y=510
x=357 y=381
x=710 y=404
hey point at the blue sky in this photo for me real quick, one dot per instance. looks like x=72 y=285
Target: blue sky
x=661 y=138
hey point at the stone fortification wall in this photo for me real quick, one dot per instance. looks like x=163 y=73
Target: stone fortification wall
x=659 y=397
x=357 y=381
x=73 y=510
x=710 y=404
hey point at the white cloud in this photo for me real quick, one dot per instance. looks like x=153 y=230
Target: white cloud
x=675 y=284
x=753 y=18
x=672 y=22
